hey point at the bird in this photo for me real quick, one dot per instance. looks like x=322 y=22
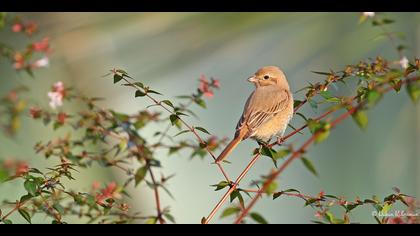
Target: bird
x=267 y=111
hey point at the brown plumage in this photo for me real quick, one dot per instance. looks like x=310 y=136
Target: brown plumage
x=267 y=111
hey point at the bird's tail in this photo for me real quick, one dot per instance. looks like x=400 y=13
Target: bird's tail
x=229 y=148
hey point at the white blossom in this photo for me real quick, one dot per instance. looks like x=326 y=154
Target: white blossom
x=57 y=95
x=369 y=14
x=43 y=62
x=404 y=62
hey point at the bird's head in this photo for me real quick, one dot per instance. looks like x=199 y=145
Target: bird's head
x=269 y=75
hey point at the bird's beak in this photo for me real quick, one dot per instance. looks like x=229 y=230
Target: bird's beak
x=252 y=79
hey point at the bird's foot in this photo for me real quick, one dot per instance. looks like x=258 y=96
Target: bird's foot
x=263 y=143
x=280 y=140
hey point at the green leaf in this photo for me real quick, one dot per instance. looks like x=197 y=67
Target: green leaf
x=396 y=84
x=200 y=102
x=401 y=47
x=169 y=103
x=310 y=201
x=139 y=84
x=266 y=151
x=360 y=118
x=271 y=188
x=4 y=175
x=57 y=125
x=386 y=208
x=220 y=185
x=313 y=125
x=202 y=130
x=182 y=132
x=301 y=115
x=59 y=208
x=258 y=218
x=308 y=164
x=271 y=153
x=296 y=103
x=230 y=211
x=123 y=144
x=278 y=194
x=178 y=113
x=31 y=187
x=320 y=127
x=184 y=97
x=153 y=91
x=382 y=22
x=388 y=21
x=25 y=214
x=2 y=19
x=7 y=222
x=281 y=154
x=322 y=135
x=362 y=18
x=237 y=194
x=328 y=96
x=321 y=73
x=140 y=94
x=122 y=71
x=413 y=90
x=140 y=174
x=29 y=71
x=117 y=78
x=174 y=120
x=350 y=207
x=151 y=221
x=35 y=170
x=329 y=217
x=25 y=197
x=373 y=97
x=169 y=217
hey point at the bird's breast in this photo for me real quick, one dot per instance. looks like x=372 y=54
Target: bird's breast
x=275 y=126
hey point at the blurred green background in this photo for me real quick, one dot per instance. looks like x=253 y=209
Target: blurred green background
x=169 y=51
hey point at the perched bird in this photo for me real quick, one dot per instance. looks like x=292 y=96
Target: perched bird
x=267 y=111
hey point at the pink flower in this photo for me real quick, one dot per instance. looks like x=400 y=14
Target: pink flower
x=17 y=27
x=204 y=87
x=212 y=142
x=19 y=61
x=395 y=220
x=42 y=46
x=319 y=214
x=110 y=191
x=215 y=83
x=61 y=117
x=43 y=62
x=35 y=112
x=21 y=168
x=57 y=95
x=30 y=28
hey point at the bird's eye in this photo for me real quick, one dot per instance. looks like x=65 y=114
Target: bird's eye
x=266 y=77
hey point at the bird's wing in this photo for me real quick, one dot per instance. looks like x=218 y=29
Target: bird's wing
x=261 y=106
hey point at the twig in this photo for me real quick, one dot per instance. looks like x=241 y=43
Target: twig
x=157 y=199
